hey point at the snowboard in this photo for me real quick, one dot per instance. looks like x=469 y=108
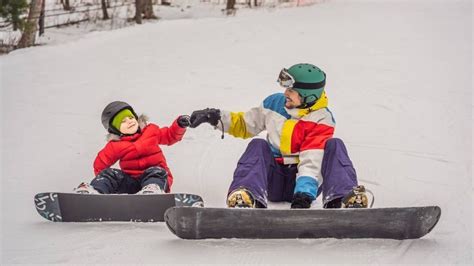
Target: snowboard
x=390 y=223
x=73 y=207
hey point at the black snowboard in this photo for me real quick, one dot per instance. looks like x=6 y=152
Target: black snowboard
x=73 y=207
x=392 y=223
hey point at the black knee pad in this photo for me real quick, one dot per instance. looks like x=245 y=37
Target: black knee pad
x=108 y=180
x=112 y=174
x=155 y=171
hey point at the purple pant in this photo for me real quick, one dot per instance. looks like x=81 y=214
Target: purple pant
x=266 y=179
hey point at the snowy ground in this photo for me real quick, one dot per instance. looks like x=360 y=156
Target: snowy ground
x=399 y=84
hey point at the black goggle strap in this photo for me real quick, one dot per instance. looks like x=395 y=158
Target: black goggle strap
x=311 y=86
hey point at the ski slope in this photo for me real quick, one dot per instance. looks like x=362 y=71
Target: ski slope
x=399 y=84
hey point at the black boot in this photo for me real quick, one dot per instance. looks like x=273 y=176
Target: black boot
x=301 y=201
x=356 y=198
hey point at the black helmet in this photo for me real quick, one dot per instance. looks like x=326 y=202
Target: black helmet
x=109 y=113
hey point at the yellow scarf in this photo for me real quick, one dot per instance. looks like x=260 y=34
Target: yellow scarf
x=320 y=103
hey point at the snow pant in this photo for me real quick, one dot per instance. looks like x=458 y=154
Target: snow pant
x=115 y=181
x=258 y=172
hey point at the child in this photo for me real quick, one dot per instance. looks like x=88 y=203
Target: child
x=134 y=143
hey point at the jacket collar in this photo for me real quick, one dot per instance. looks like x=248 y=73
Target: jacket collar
x=320 y=104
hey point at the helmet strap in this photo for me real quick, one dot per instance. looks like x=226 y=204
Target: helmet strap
x=304 y=104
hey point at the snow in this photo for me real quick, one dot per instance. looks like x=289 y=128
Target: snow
x=399 y=85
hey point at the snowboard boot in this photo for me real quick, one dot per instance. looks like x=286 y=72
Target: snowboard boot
x=150 y=189
x=301 y=201
x=86 y=188
x=357 y=198
x=240 y=198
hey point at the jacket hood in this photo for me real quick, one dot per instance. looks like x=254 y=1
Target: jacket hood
x=320 y=104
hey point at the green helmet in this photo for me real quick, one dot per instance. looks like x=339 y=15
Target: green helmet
x=308 y=81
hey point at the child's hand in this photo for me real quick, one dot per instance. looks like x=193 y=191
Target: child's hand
x=184 y=121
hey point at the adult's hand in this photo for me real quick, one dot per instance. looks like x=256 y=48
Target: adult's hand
x=208 y=115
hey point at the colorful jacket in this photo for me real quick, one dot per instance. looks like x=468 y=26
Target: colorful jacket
x=296 y=136
x=140 y=151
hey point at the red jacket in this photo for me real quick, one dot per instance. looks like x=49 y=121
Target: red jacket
x=140 y=151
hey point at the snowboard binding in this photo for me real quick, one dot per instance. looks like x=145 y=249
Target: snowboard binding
x=357 y=198
x=240 y=198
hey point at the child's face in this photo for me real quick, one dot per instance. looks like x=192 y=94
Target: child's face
x=129 y=126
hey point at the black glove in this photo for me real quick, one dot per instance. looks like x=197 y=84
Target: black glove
x=208 y=115
x=301 y=201
x=184 y=121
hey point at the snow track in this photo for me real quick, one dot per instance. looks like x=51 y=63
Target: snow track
x=399 y=85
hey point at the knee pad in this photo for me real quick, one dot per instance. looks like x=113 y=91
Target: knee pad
x=155 y=171
x=111 y=174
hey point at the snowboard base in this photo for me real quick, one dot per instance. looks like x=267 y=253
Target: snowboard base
x=390 y=223
x=73 y=207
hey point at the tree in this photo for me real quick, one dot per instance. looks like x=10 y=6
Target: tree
x=66 y=4
x=230 y=8
x=144 y=9
x=41 y=18
x=148 y=10
x=11 y=10
x=138 y=11
x=28 y=37
x=105 y=14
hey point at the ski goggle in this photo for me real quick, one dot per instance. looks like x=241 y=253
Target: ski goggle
x=285 y=79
